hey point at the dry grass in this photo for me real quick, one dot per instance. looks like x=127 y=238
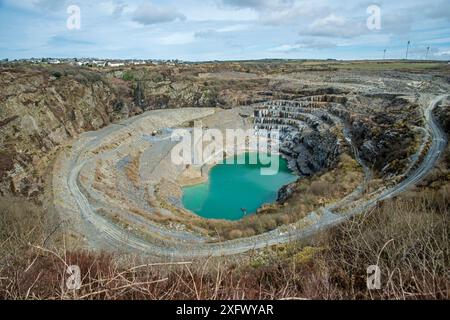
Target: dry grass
x=406 y=237
x=132 y=169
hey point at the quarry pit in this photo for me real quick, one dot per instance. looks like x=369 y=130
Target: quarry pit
x=119 y=188
x=94 y=147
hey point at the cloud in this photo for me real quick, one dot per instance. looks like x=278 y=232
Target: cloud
x=442 y=53
x=179 y=38
x=279 y=12
x=118 y=10
x=113 y=8
x=224 y=29
x=317 y=44
x=438 y=10
x=336 y=26
x=396 y=24
x=304 y=44
x=260 y=5
x=149 y=14
x=439 y=40
x=220 y=32
x=50 y=4
x=205 y=34
x=67 y=41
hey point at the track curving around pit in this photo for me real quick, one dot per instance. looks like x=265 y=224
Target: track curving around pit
x=119 y=238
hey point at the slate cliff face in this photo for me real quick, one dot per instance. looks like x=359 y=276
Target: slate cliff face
x=442 y=114
x=315 y=152
x=306 y=129
x=385 y=141
x=308 y=133
x=40 y=109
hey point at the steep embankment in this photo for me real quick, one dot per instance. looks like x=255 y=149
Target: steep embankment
x=41 y=108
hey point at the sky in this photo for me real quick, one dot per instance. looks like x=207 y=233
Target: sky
x=204 y=30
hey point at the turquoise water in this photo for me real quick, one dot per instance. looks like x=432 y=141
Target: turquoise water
x=232 y=187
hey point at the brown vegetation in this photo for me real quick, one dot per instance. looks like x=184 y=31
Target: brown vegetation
x=132 y=169
x=407 y=238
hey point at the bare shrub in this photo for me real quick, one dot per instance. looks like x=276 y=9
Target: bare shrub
x=132 y=169
x=234 y=234
x=406 y=237
x=21 y=222
x=321 y=188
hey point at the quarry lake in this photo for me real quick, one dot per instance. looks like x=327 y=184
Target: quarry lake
x=234 y=190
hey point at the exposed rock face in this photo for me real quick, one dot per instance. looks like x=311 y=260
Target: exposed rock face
x=384 y=138
x=305 y=131
x=380 y=131
x=160 y=88
x=39 y=112
x=316 y=151
x=443 y=115
x=285 y=192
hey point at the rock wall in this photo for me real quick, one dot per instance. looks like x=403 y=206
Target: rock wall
x=385 y=137
x=442 y=114
x=40 y=109
x=305 y=131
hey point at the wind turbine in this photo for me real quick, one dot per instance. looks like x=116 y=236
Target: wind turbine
x=384 y=54
x=428 y=51
x=407 y=49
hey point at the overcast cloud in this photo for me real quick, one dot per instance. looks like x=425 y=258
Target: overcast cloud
x=224 y=29
x=148 y=13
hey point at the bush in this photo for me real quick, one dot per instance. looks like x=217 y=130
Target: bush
x=319 y=188
x=128 y=76
x=57 y=74
x=234 y=234
x=21 y=222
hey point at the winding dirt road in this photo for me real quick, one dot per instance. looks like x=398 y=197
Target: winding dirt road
x=119 y=237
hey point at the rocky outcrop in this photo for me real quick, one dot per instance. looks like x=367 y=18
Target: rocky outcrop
x=386 y=143
x=442 y=114
x=200 y=86
x=315 y=151
x=380 y=131
x=286 y=191
x=41 y=109
x=305 y=131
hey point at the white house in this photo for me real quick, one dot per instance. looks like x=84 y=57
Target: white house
x=115 y=64
x=99 y=63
